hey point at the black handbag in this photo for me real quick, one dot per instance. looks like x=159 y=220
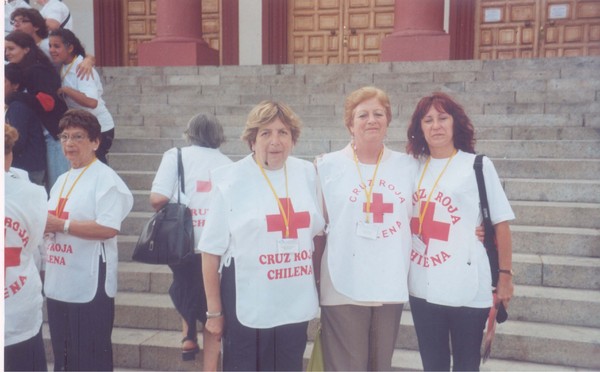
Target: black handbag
x=168 y=238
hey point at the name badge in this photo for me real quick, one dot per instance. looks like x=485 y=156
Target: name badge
x=366 y=230
x=418 y=244
x=287 y=245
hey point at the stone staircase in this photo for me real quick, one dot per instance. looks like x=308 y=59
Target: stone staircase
x=539 y=121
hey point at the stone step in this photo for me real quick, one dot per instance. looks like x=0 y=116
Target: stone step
x=410 y=360
x=566 y=169
x=583 y=191
x=134 y=127
x=143 y=297
x=524 y=168
x=533 y=269
x=536 y=240
x=558 y=271
x=580 y=215
x=559 y=241
x=143 y=349
x=559 y=214
x=563 y=149
x=566 y=346
x=570 y=191
x=529 y=341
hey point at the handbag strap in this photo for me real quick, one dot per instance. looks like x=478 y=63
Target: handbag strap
x=180 y=175
x=489 y=241
x=485 y=208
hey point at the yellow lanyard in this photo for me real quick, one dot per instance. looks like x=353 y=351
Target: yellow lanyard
x=369 y=192
x=62 y=78
x=283 y=213
x=422 y=214
x=60 y=207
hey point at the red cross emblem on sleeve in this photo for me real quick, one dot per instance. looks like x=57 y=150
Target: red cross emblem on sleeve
x=12 y=258
x=203 y=186
x=379 y=208
x=296 y=220
x=431 y=229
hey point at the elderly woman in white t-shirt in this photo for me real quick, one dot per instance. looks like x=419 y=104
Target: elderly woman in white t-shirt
x=263 y=216
x=205 y=135
x=86 y=208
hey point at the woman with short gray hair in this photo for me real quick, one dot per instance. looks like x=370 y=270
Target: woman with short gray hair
x=205 y=135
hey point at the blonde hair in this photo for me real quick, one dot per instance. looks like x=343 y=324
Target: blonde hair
x=265 y=113
x=11 y=136
x=362 y=94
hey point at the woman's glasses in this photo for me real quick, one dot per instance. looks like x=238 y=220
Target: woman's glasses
x=75 y=137
x=18 y=21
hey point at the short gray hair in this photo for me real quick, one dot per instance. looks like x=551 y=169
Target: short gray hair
x=204 y=130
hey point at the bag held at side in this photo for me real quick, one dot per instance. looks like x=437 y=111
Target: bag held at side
x=168 y=238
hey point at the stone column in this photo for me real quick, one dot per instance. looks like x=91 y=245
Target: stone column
x=418 y=32
x=178 y=40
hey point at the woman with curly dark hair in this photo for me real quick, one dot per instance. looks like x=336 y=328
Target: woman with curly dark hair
x=449 y=278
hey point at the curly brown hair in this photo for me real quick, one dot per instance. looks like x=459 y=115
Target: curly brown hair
x=464 y=133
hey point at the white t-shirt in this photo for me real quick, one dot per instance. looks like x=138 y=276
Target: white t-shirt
x=274 y=279
x=72 y=262
x=357 y=269
x=24 y=221
x=57 y=10
x=197 y=164
x=453 y=267
x=92 y=88
x=10 y=7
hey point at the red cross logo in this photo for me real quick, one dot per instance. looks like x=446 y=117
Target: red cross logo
x=61 y=207
x=12 y=258
x=379 y=208
x=203 y=186
x=299 y=220
x=431 y=229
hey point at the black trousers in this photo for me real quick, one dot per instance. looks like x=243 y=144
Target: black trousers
x=249 y=349
x=81 y=332
x=28 y=355
x=187 y=293
x=437 y=326
x=106 y=140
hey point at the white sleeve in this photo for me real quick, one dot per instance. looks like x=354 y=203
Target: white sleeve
x=165 y=181
x=500 y=209
x=87 y=87
x=216 y=235
x=56 y=12
x=114 y=202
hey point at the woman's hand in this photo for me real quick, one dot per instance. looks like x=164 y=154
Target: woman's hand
x=54 y=224
x=84 y=69
x=215 y=326
x=504 y=289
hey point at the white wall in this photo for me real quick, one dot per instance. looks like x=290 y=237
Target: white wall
x=82 y=12
x=250 y=28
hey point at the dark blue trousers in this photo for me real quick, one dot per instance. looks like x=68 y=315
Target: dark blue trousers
x=438 y=326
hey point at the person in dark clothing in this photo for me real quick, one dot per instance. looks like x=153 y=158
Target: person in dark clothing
x=29 y=151
x=41 y=83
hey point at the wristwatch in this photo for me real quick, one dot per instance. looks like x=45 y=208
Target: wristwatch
x=508 y=272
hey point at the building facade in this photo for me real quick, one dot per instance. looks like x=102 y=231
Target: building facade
x=254 y=32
